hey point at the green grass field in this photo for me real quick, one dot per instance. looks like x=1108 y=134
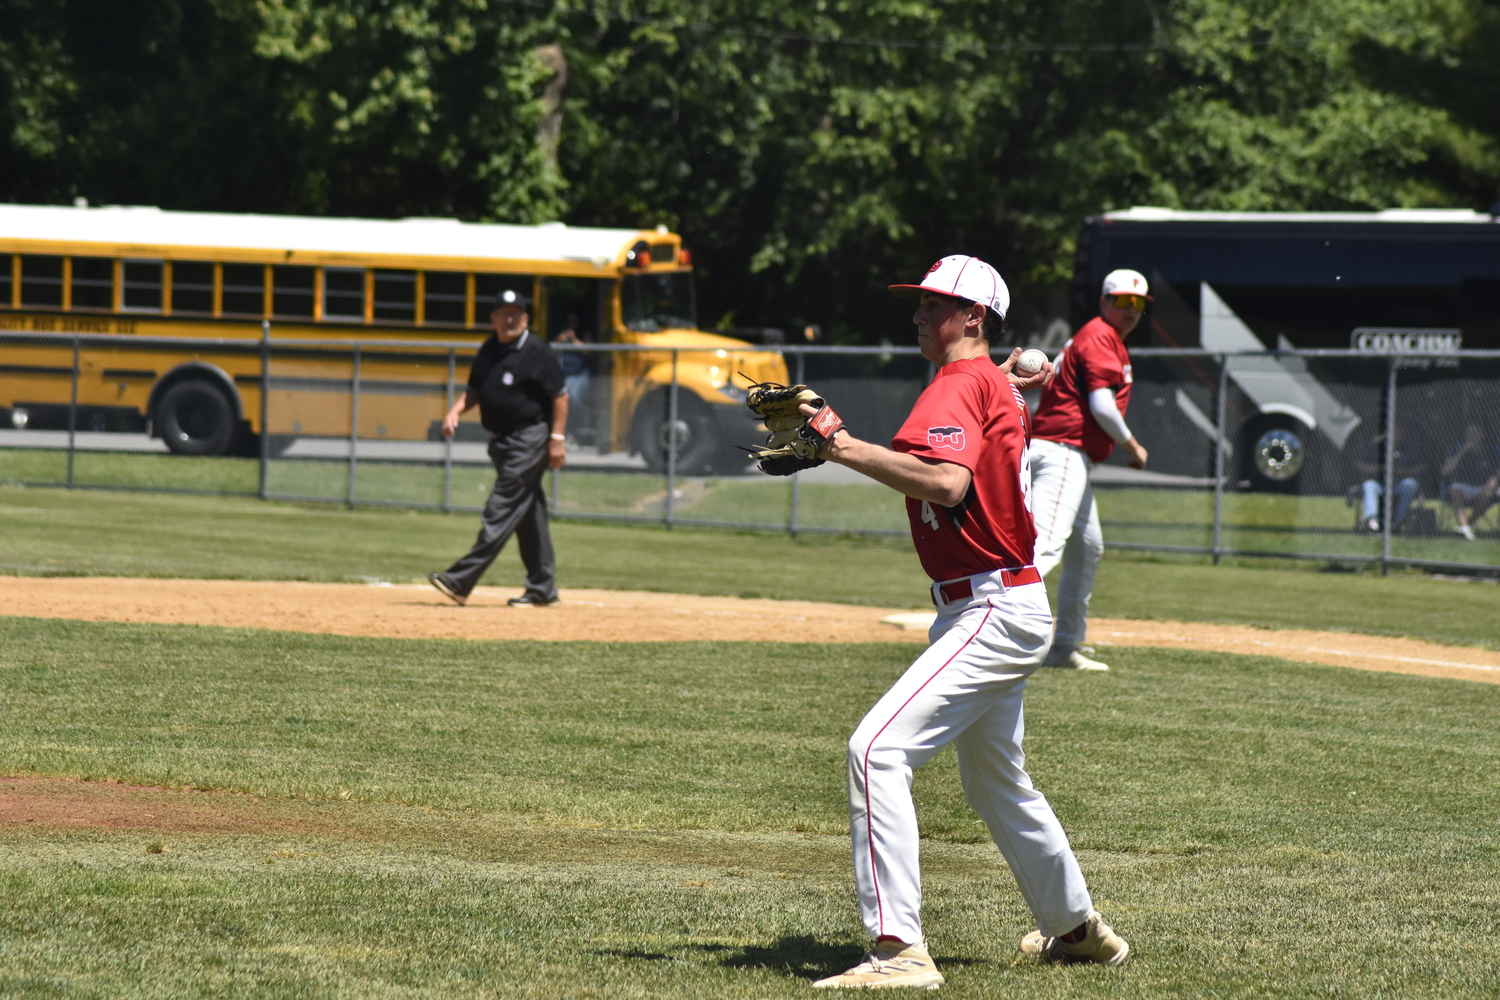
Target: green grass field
x=57 y=532
x=450 y=819
x=1253 y=522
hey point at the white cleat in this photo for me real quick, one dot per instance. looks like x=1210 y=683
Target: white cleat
x=1075 y=661
x=1100 y=944
x=889 y=964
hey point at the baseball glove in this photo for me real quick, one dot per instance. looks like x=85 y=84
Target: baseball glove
x=794 y=440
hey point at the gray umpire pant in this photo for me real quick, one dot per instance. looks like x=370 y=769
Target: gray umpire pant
x=516 y=506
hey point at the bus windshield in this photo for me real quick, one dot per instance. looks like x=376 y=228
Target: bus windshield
x=652 y=302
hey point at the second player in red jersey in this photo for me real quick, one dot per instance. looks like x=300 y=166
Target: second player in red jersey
x=1080 y=420
x=1096 y=358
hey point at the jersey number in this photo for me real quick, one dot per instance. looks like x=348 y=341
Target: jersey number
x=929 y=516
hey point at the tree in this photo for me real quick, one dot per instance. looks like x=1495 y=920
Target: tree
x=810 y=153
x=355 y=108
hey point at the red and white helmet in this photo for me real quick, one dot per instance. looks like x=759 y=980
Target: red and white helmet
x=963 y=277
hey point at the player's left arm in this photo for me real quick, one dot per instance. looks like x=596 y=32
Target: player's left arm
x=1108 y=416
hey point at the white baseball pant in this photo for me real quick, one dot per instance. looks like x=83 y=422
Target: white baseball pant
x=966 y=688
x=1067 y=531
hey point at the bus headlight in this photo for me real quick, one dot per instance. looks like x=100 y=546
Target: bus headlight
x=19 y=419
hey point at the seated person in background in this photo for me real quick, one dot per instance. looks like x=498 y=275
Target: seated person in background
x=575 y=367
x=1407 y=466
x=1471 y=476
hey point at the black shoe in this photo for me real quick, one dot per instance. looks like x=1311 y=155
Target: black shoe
x=445 y=588
x=528 y=601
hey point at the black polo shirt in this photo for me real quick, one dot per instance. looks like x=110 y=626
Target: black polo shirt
x=515 y=383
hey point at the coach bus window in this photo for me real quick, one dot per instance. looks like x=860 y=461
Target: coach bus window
x=7 y=281
x=244 y=289
x=93 y=283
x=344 y=293
x=444 y=297
x=142 y=286
x=41 y=281
x=292 y=290
x=192 y=287
x=652 y=302
x=396 y=295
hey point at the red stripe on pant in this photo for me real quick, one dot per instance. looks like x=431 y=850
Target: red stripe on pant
x=869 y=816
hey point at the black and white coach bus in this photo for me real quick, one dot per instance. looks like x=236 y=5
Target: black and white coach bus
x=1400 y=281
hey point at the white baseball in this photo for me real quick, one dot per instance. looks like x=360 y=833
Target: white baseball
x=1030 y=362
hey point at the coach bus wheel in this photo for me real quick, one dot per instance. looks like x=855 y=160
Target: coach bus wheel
x=195 y=419
x=651 y=433
x=1276 y=452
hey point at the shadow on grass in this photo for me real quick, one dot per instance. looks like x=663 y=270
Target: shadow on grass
x=801 y=956
x=798 y=955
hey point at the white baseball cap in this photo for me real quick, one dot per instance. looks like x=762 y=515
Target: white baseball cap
x=963 y=277
x=1126 y=282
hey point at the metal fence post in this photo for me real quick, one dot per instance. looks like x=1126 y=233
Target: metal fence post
x=1390 y=468
x=797 y=476
x=353 y=426
x=1219 y=461
x=73 y=413
x=265 y=408
x=672 y=444
x=448 y=441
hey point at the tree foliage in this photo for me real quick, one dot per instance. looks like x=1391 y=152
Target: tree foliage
x=810 y=153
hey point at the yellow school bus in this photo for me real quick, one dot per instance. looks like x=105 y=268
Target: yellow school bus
x=144 y=275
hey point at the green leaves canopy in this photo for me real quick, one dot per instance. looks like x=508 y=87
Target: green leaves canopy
x=810 y=153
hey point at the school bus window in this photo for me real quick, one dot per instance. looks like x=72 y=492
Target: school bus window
x=292 y=290
x=443 y=303
x=142 y=286
x=396 y=296
x=244 y=289
x=192 y=287
x=344 y=293
x=93 y=283
x=7 y=283
x=663 y=253
x=41 y=281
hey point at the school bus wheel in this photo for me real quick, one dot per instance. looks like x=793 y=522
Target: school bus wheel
x=194 y=418
x=697 y=438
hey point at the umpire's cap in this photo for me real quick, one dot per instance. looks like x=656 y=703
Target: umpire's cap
x=511 y=298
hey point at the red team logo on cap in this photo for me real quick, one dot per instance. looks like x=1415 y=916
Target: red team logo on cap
x=935 y=265
x=946 y=437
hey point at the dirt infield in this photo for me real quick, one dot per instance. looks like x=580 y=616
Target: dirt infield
x=418 y=612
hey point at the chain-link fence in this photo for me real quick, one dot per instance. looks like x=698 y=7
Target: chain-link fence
x=1331 y=455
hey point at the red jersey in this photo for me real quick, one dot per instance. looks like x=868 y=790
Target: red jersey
x=1095 y=358
x=972 y=416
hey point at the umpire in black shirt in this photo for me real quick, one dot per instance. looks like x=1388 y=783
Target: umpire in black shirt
x=518 y=385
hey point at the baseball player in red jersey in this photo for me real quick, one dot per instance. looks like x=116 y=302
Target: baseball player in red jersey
x=1080 y=420
x=960 y=460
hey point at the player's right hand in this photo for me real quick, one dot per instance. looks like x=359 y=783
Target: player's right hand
x=450 y=424
x=1027 y=382
x=1138 y=455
